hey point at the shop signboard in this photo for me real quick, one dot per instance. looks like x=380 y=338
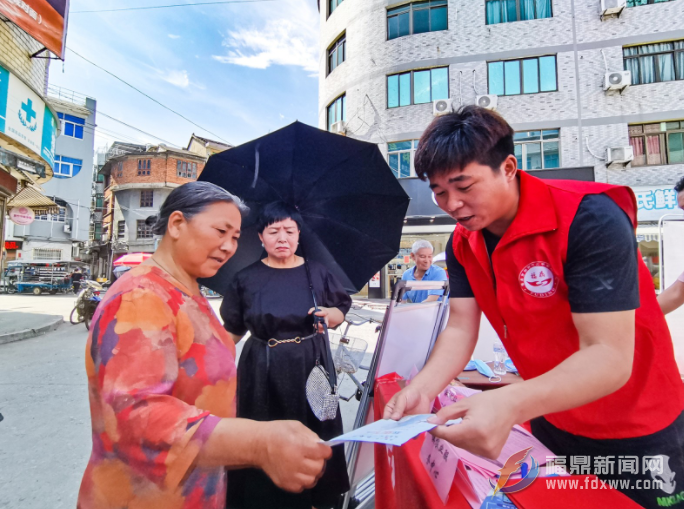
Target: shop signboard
x=375 y=281
x=22 y=215
x=12 y=244
x=25 y=117
x=653 y=202
x=44 y=20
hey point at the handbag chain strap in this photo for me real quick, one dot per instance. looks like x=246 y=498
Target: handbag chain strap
x=330 y=369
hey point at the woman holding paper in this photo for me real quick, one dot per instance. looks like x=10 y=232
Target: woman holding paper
x=162 y=377
x=272 y=300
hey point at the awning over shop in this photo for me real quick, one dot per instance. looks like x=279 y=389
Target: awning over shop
x=647 y=233
x=31 y=197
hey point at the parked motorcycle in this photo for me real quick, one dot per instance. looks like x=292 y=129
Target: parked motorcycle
x=87 y=301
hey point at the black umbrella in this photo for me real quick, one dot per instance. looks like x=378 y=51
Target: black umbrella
x=352 y=206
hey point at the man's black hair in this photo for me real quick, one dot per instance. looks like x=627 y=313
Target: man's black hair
x=679 y=186
x=471 y=134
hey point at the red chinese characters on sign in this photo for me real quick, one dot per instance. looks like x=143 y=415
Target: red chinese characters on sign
x=12 y=244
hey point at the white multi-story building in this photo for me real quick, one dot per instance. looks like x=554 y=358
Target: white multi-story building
x=555 y=69
x=59 y=233
x=28 y=127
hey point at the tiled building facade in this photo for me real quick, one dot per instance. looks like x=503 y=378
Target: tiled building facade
x=383 y=62
x=590 y=119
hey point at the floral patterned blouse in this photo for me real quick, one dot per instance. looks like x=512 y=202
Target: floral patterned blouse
x=161 y=372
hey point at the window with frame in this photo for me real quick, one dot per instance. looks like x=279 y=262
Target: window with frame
x=537 y=150
x=56 y=216
x=400 y=155
x=523 y=76
x=337 y=53
x=651 y=63
x=47 y=254
x=147 y=198
x=332 y=5
x=636 y=3
x=120 y=229
x=144 y=231
x=186 y=169
x=337 y=111
x=417 y=18
x=67 y=166
x=97 y=231
x=71 y=126
x=60 y=216
x=658 y=143
x=119 y=169
x=144 y=166
x=506 y=11
x=417 y=87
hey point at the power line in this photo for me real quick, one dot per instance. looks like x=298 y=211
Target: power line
x=146 y=95
x=171 y=6
x=136 y=129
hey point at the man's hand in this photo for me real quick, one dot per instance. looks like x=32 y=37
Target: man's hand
x=487 y=421
x=408 y=401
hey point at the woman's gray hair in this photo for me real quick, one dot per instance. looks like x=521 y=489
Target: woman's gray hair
x=421 y=244
x=191 y=199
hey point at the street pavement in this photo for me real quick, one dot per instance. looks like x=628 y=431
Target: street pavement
x=45 y=435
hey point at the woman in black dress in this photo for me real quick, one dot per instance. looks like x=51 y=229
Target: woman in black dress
x=272 y=300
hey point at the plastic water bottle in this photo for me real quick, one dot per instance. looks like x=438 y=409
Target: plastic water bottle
x=500 y=356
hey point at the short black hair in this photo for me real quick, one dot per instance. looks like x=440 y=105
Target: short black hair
x=275 y=212
x=679 y=186
x=190 y=199
x=453 y=141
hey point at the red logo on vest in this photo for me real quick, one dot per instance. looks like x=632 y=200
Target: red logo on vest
x=538 y=281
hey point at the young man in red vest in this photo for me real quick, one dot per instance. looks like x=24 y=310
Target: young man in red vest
x=555 y=268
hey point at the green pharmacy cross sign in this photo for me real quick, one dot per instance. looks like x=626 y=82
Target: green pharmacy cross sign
x=26 y=118
x=28 y=109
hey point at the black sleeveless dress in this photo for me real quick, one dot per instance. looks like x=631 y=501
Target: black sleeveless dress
x=273 y=303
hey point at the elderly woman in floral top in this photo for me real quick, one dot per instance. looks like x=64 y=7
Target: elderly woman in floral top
x=161 y=376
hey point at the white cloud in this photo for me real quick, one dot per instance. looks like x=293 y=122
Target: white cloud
x=177 y=78
x=173 y=36
x=290 y=38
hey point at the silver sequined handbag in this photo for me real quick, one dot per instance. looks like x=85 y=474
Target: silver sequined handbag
x=323 y=397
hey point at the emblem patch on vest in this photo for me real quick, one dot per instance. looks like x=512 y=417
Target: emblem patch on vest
x=538 y=280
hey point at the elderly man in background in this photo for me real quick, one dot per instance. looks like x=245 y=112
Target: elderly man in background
x=421 y=254
x=673 y=296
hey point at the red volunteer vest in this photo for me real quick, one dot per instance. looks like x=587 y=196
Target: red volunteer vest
x=530 y=312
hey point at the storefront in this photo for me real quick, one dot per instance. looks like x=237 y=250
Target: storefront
x=653 y=202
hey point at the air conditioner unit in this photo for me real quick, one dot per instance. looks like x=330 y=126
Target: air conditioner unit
x=488 y=102
x=67 y=228
x=619 y=155
x=612 y=7
x=441 y=107
x=338 y=127
x=618 y=80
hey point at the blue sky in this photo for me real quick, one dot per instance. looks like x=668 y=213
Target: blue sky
x=240 y=70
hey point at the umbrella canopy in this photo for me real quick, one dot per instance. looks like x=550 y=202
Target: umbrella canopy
x=131 y=259
x=351 y=204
